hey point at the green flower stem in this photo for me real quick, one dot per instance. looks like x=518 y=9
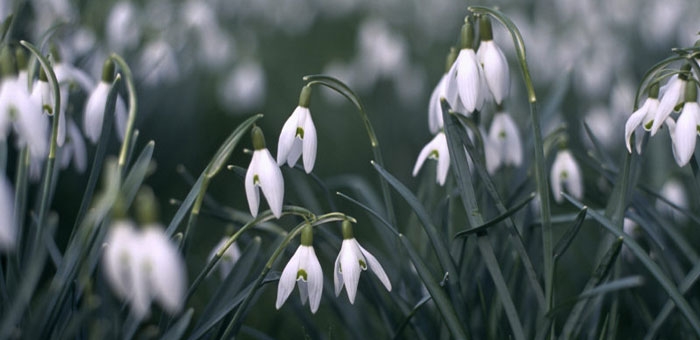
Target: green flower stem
x=51 y=160
x=133 y=108
x=540 y=166
x=236 y=322
x=262 y=217
x=346 y=92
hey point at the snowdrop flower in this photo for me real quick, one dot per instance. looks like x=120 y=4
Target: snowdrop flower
x=123 y=29
x=142 y=266
x=74 y=149
x=674 y=192
x=643 y=118
x=41 y=93
x=228 y=258
x=436 y=149
x=687 y=126
x=263 y=172
x=96 y=104
x=435 y=122
x=566 y=176
x=351 y=261
x=298 y=135
x=465 y=79
x=7 y=223
x=18 y=107
x=505 y=147
x=672 y=96
x=304 y=270
x=493 y=61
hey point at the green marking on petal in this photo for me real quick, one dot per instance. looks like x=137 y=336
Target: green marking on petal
x=256 y=179
x=502 y=135
x=363 y=265
x=301 y=274
x=564 y=174
x=434 y=154
x=647 y=126
x=300 y=133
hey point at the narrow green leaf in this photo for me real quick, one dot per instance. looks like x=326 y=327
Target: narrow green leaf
x=653 y=268
x=568 y=237
x=135 y=178
x=407 y=319
x=669 y=306
x=178 y=329
x=496 y=220
x=574 y=320
x=185 y=206
x=619 y=284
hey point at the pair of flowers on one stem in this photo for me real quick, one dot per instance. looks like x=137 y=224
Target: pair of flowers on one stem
x=680 y=91
x=304 y=269
x=298 y=137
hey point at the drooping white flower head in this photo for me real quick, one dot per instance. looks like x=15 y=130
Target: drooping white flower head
x=96 y=104
x=228 y=258
x=672 y=95
x=298 y=135
x=17 y=106
x=263 y=172
x=494 y=63
x=505 y=147
x=465 y=78
x=642 y=119
x=304 y=270
x=436 y=149
x=141 y=266
x=566 y=176
x=8 y=234
x=687 y=127
x=351 y=261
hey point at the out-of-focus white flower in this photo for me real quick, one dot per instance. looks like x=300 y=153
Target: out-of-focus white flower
x=263 y=172
x=228 y=259
x=672 y=95
x=298 y=135
x=74 y=149
x=123 y=27
x=141 y=266
x=67 y=76
x=687 y=127
x=157 y=63
x=17 y=106
x=492 y=59
x=642 y=119
x=244 y=88
x=351 y=261
x=505 y=147
x=436 y=149
x=304 y=270
x=96 y=104
x=8 y=234
x=674 y=192
x=566 y=176
x=382 y=53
